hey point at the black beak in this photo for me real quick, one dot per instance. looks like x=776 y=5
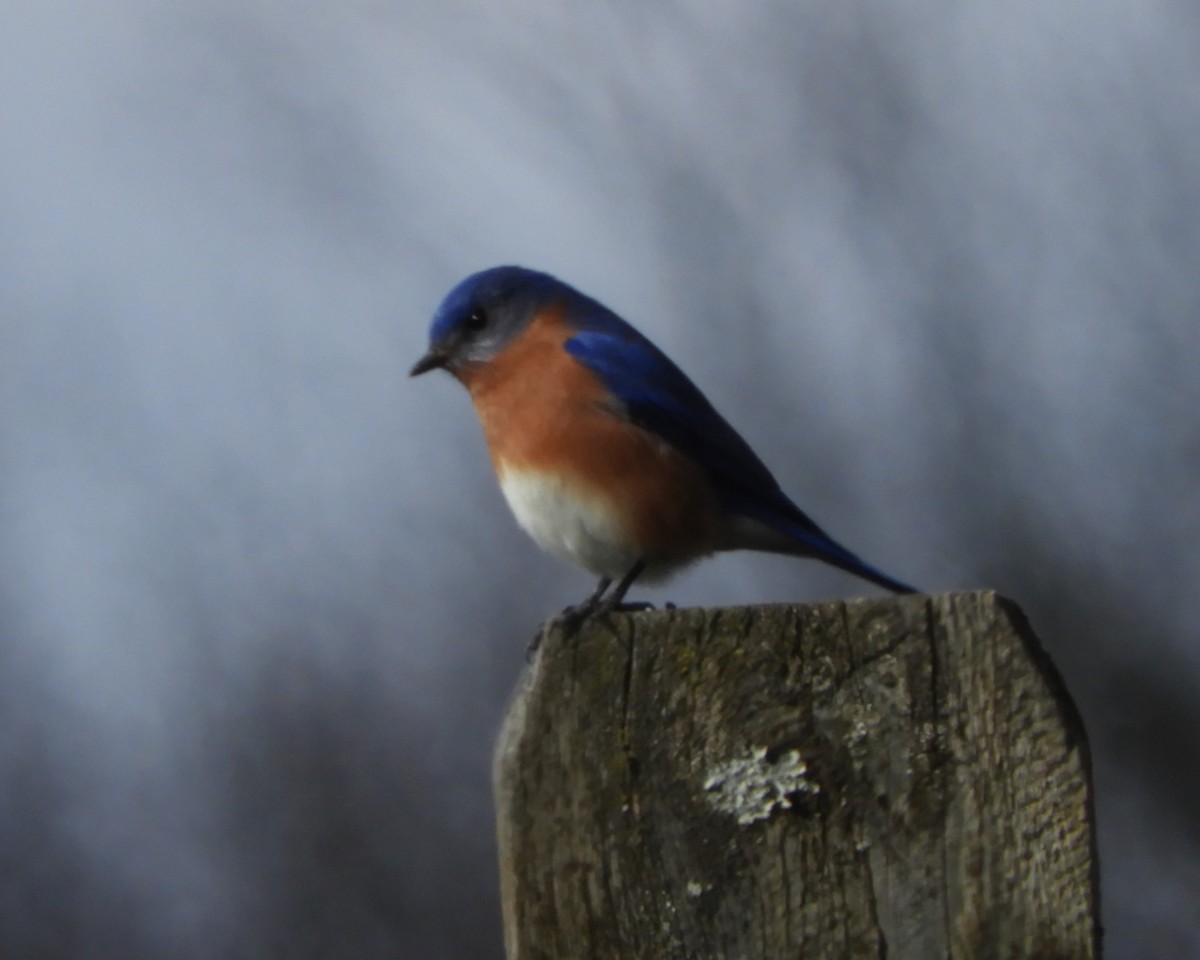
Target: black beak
x=431 y=361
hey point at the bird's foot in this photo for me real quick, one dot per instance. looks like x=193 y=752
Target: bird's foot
x=599 y=602
x=572 y=618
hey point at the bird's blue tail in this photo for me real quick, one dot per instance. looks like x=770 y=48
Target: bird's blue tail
x=812 y=541
x=845 y=560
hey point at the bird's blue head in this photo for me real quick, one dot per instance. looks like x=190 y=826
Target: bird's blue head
x=483 y=314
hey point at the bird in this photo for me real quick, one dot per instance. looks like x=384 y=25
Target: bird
x=609 y=456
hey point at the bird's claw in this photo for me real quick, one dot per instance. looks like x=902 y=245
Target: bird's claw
x=572 y=618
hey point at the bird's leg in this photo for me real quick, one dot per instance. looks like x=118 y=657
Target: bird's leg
x=600 y=601
x=613 y=600
x=593 y=599
x=572 y=617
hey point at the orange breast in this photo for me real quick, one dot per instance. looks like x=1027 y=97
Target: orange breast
x=543 y=410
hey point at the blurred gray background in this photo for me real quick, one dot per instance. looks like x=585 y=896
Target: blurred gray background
x=261 y=603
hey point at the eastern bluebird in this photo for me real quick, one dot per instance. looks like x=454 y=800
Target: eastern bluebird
x=608 y=455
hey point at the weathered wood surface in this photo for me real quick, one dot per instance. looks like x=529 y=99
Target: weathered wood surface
x=897 y=778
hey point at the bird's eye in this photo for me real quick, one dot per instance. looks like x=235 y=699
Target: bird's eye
x=476 y=320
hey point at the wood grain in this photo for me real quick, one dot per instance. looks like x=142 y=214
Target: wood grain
x=896 y=778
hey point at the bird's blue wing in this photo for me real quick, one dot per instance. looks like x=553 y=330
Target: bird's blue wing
x=660 y=398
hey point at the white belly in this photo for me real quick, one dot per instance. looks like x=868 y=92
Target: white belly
x=569 y=523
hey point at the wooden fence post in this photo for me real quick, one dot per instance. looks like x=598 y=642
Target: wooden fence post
x=897 y=778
